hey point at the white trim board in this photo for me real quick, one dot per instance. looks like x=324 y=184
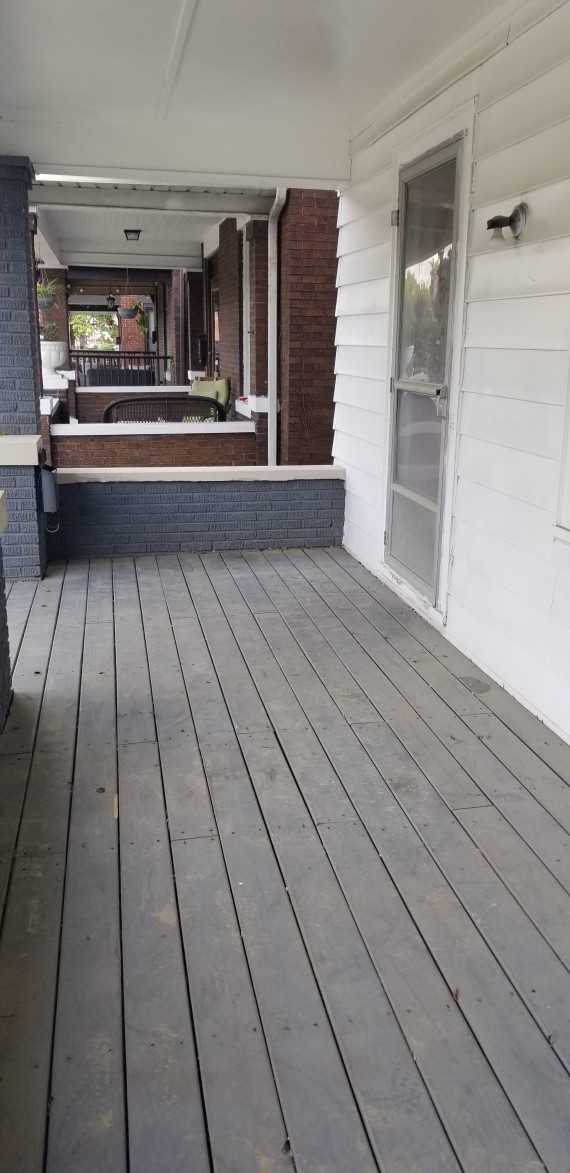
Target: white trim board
x=20 y=450
x=154 y=429
x=238 y=472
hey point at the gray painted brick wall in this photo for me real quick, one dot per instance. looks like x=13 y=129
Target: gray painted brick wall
x=23 y=542
x=5 y=674
x=98 y=520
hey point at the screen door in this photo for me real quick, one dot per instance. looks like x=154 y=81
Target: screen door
x=421 y=370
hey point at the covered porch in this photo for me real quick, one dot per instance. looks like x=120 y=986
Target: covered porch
x=286 y=876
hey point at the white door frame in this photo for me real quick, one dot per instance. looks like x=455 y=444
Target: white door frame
x=460 y=123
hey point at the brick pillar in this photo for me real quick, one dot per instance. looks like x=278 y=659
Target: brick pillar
x=307 y=298
x=131 y=337
x=23 y=543
x=256 y=241
x=229 y=284
x=196 y=317
x=5 y=670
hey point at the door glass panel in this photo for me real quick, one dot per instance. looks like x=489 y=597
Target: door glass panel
x=418 y=444
x=414 y=534
x=428 y=236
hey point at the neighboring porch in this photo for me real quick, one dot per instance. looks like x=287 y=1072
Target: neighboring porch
x=288 y=881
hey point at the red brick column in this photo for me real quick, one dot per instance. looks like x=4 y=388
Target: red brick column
x=196 y=317
x=307 y=295
x=256 y=241
x=131 y=337
x=230 y=284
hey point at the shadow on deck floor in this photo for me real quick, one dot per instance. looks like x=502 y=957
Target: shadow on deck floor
x=285 y=882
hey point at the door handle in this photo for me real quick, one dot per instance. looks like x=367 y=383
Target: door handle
x=441 y=403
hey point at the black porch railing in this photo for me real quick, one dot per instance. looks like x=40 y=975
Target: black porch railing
x=119 y=368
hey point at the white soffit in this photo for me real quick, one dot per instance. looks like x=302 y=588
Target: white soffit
x=258 y=93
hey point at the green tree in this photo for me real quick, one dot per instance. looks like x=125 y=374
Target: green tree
x=93 y=330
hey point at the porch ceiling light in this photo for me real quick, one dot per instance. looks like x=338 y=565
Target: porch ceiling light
x=516 y=222
x=132 y=233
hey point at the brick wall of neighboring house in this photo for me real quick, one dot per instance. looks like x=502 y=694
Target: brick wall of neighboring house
x=124 y=451
x=230 y=307
x=256 y=241
x=102 y=520
x=131 y=336
x=58 y=312
x=307 y=298
x=91 y=404
x=195 y=317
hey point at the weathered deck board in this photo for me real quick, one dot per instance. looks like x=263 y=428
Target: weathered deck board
x=29 y=945
x=18 y=605
x=87 y=1127
x=164 y=1099
x=292 y=803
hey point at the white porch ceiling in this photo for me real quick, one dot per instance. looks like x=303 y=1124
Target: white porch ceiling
x=216 y=92
x=91 y=235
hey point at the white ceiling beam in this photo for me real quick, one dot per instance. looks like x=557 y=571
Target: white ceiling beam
x=48 y=245
x=177 y=202
x=216 y=179
x=131 y=260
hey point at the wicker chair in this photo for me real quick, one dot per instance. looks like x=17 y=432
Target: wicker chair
x=164 y=409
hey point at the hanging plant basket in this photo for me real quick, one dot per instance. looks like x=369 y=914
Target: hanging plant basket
x=129 y=312
x=46 y=301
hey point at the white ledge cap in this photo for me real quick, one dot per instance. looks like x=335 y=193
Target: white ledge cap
x=20 y=450
x=229 y=472
x=3 y=511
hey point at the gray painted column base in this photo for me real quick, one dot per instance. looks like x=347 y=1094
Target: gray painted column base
x=5 y=673
x=23 y=542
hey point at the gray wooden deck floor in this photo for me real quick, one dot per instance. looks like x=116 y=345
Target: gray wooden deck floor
x=285 y=882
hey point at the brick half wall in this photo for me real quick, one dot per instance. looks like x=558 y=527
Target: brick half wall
x=170 y=449
x=112 y=519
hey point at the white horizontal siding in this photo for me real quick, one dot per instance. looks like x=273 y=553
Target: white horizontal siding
x=536 y=52
x=529 y=578
x=527 y=427
x=503 y=656
x=369 y=297
x=366 y=265
x=533 y=107
x=540 y=376
x=528 y=270
x=517 y=522
x=549 y=215
x=374 y=228
x=520 y=474
x=537 y=323
x=367 y=361
x=362 y=330
x=356 y=421
x=358 y=453
x=362 y=485
x=561 y=601
x=361 y=198
x=541 y=159
x=369 y=394
x=542 y=636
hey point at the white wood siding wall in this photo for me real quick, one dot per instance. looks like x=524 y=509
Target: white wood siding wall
x=509 y=588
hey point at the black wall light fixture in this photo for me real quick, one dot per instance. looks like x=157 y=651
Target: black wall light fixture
x=516 y=222
x=132 y=233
